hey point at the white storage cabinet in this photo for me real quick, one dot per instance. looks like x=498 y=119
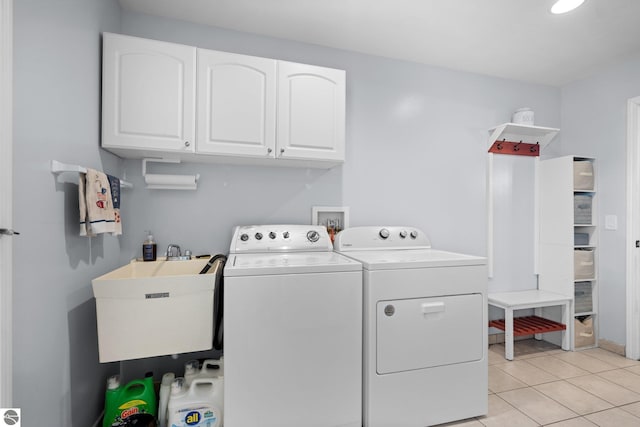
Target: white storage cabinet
x=569 y=239
x=236 y=104
x=249 y=109
x=311 y=112
x=148 y=93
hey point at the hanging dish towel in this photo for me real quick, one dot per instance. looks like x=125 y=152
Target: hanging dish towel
x=96 y=205
x=114 y=184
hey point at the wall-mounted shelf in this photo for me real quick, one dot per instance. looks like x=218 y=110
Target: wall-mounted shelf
x=523 y=133
x=59 y=167
x=512 y=135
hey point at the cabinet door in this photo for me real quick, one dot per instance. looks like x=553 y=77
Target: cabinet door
x=311 y=112
x=236 y=104
x=148 y=90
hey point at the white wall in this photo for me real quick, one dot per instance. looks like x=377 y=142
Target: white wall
x=57 y=378
x=594 y=120
x=416 y=155
x=416 y=151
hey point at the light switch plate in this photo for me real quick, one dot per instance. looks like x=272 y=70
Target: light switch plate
x=611 y=222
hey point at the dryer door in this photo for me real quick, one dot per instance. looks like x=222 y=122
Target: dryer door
x=427 y=332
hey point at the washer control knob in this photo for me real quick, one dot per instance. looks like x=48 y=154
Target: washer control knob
x=313 y=236
x=403 y=233
x=384 y=233
x=414 y=234
x=258 y=236
x=244 y=237
x=285 y=234
x=272 y=235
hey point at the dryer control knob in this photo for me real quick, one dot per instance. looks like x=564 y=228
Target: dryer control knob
x=285 y=234
x=244 y=237
x=258 y=236
x=313 y=236
x=414 y=234
x=272 y=235
x=384 y=233
x=403 y=234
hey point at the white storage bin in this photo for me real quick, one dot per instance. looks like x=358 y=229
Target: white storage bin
x=583 y=178
x=148 y=309
x=583 y=264
x=583 y=293
x=582 y=209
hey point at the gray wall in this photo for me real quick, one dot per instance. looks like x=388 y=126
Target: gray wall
x=57 y=378
x=594 y=123
x=416 y=155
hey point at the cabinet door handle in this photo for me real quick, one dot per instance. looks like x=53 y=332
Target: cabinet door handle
x=269 y=150
x=282 y=150
x=8 y=232
x=187 y=143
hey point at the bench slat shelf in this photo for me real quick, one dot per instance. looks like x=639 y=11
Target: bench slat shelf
x=529 y=325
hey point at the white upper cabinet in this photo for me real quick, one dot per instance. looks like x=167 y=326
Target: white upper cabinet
x=236 y=104
x=311 y=112
x=148 y=90
x=168 y=100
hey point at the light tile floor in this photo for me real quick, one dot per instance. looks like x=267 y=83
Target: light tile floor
x=546 y=386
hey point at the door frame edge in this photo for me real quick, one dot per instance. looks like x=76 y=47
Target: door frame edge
x=632 y=348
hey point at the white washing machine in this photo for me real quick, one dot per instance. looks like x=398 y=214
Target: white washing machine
x=425 y=328
x=292 y=330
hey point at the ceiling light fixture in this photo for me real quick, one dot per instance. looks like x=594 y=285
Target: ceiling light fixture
x=564 y=6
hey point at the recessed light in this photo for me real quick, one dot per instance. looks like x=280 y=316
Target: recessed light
x=564 y=6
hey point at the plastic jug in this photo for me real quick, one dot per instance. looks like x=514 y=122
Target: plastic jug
x=211 y=368
x=199 y=405
x=165 y=392
x=137 y=397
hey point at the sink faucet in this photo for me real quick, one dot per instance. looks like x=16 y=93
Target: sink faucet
x=173 y=251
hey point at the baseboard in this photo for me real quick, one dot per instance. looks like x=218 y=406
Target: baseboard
x=611 y=346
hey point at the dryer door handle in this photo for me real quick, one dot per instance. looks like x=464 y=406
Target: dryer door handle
x=433 y=307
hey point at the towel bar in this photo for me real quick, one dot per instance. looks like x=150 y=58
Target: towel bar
x=59 y=167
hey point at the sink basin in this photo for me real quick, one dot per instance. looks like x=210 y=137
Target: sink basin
x=142 y=277
x=154 y=308
x=141 y=269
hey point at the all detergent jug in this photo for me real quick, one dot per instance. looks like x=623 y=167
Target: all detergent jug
x=137 y=397
x=199 y=405
x=211 y=368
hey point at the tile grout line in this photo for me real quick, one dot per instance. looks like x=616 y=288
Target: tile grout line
x=588 y=373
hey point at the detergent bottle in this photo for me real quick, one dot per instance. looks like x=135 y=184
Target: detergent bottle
x=137 y=397
x=165 y=392
x=211 y=368
x=199 y=405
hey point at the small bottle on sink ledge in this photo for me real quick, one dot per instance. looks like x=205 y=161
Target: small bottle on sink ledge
x=149 y=248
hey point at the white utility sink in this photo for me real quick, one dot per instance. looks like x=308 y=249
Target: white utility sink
x=154 y=308
x=141 y=269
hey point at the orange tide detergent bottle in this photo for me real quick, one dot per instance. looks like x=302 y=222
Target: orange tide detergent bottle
x=137 y=397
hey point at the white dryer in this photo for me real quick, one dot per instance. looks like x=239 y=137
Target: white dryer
x=293 y=330
x=425 y=328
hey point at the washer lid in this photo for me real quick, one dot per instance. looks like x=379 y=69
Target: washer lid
x=412 y=258
x=288 y=263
